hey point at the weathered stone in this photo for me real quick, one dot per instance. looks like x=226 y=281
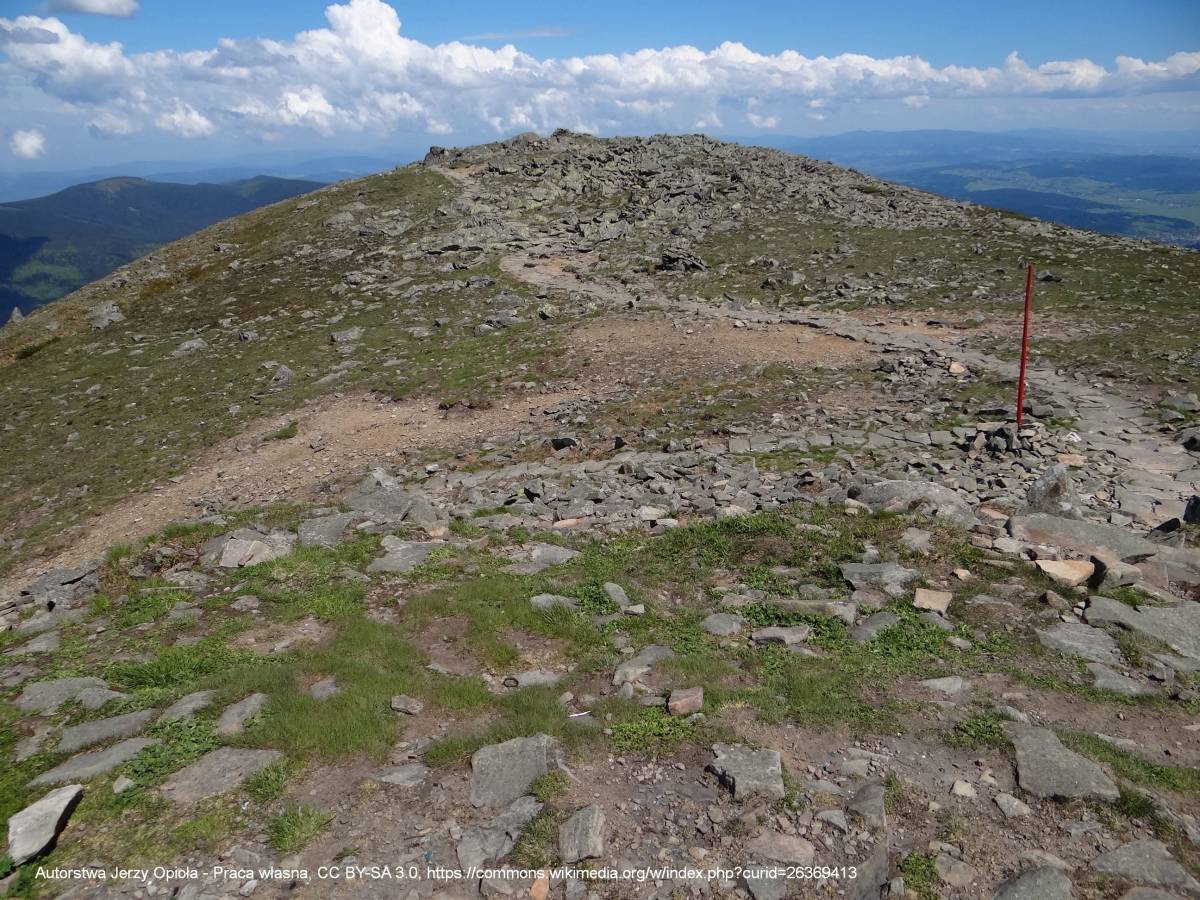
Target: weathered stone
x=403 y=556
x=325 y=531
x=685 y=701
x=871 y=628
x=1109 y=680
x=917 y=540
x=87 y=733
x=1045 y=768
x=954 y=872
x=89 y=765
x=723 y=624
x=408 y=705
x=485 y=843
x=234 y=718
x=1043 y=883
x=46 y=696
x=1012 y=807
x=1067 y=572
x=1176 y=625
x=550 y=601
x=951 y=684
x=324 y=689
x=582 y=835
x=917 y=496
x=33 y=830
x=616 y=594
x=785 y=636
x=104 y=314
x=1147 y=861
x=934 y=601
x=891 y=577
x=216 y=772
x=868 y=804
x=188 y=706
x=1054 y=492
x=500 y=773
x=748 y=772
x=788 y=849
x=1081 y=640
x=637 y=667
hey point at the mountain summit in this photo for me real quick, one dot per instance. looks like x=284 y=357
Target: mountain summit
x=644 y=504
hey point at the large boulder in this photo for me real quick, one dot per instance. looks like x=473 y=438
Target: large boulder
x=1045 y=768
x=34 y=829
x=1054 y=492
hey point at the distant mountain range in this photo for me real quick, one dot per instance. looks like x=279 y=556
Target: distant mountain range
x=49 y=246
x=1145 y=185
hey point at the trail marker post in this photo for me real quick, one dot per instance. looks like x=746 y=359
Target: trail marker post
x=1024 y=345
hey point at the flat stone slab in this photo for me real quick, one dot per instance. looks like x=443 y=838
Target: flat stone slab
x=534 y=558
x=892 y=577
x=872 y=627
x=917 y=496
x=748 y=772
x=34 y=829
x=582 y=835
x=1077 y=639
x=325 y=531
x=785 y=636
x=1149 y=862
x=46 y=696
x=89 y=765
x=500 y=773
x=403 y=556
x=723 y=624
x=79 y=736
x=1110 y=680
x=216 y=772
x=233 y=720
x=1045 y=768
x=1044 y=883
x=1067 y=572
x=640 y=665
x=1177 y=626
x=550 y=601
x=188 y=706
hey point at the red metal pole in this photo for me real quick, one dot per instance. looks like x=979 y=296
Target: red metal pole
x=1024 y=345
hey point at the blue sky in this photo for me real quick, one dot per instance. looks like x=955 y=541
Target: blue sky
x=206 y=80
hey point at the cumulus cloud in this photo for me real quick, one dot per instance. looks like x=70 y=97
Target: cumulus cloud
x=28 y=144
x=361 y=73
x=120 y=8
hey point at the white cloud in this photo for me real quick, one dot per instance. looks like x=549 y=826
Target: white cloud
x=359 y=73
x=28 y=144
x=185 y=122
x=120 y=8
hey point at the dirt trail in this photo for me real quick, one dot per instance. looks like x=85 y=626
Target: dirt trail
x=251 y=469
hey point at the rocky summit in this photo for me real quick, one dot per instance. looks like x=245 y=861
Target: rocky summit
x=566 y=506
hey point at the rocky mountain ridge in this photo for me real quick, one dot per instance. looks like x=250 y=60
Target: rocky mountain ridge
x=645 y=504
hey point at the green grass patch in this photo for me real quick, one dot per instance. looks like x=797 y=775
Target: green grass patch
x=179 y=742
x=979 y=729
x=537 y=848
x=549 y=786
x=295 y=827
x=920 y=875
x=652 y=732
x=287 y=432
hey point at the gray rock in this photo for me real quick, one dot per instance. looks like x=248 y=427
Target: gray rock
x=189 y=347
x=723 y=624
x=764 y=883
x=774 y=634
x=892 y=577
x=1109 y=680
x=403 y=556
x=104 y=314
x=917 y=496
x=216 y=772
x=637 y=667
x=872 y=627
x=33 y=830
x=44 y=643
x=235 y=716
x=1045 y=768
x=1077 y=639
x=950 y=685
x=385 y=499
x=89 y=765
x=408 y=705
x=788 y=849
x=616 y=594
x=188 y=706
x=84 y=735
x=1176 y=625
x=1149 y=862
x=748 y=772
x=917 y=540
x=500 y=773
x=325 y=531
x=46 y=696
x=485 y=843
x=1044 y=883
x=1054 y=493
x=954 y=872
x=550 y=601
x=534 y=558
x=582 y=835
x=1012 y=807
x=410 y=775
x=868 y=804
